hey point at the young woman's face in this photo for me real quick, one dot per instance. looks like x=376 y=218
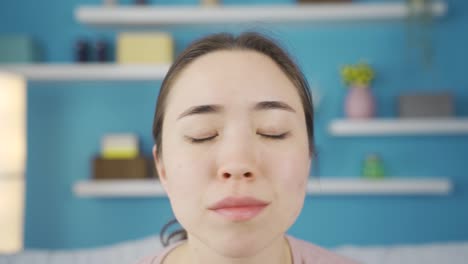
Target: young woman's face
x=234 y=128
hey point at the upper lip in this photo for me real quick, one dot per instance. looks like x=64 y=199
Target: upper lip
x=232 y=202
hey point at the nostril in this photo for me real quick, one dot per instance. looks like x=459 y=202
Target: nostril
x=227 y=175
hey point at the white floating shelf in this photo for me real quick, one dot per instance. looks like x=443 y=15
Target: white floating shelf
x=327 y=186
x=389 y=186
x=87 y=72
x=178 y=15
x=119 y=188
x=403 y=126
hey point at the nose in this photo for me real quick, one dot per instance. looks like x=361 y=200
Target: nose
x=237 y=159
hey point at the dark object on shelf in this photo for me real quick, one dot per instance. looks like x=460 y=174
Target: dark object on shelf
x=82 y=50
x=137 y=168
x=102 y=51
x=426 y=105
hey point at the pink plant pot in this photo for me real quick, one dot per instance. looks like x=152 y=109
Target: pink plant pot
x=360 y=103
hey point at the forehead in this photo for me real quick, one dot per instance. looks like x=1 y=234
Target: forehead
x=232 y=77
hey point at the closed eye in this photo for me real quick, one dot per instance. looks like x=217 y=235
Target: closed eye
x=205 y=139
x=279 y=136
x=200 y=140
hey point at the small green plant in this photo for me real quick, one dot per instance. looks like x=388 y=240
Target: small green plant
x=360 y=74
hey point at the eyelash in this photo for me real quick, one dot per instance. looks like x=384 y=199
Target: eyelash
x=200 y=140
x=275 y=137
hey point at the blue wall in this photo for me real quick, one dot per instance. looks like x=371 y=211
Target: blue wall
x=66 y=121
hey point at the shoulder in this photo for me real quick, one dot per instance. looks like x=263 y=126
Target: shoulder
x=159 y=257
x=150 y=260
x=307 y=253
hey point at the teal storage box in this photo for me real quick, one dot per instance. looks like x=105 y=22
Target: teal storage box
x=18 y=49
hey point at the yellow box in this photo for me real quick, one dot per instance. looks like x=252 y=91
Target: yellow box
x=144 y=48
x=119 y=146
x=120 y=154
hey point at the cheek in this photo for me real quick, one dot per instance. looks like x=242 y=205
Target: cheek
x=291 y=176
x=183 y=167
x=186 y=185
x=291 y=167
x=294 y=179
x=183 y=177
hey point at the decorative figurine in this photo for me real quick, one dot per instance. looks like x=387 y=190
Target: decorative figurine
x=373 y=167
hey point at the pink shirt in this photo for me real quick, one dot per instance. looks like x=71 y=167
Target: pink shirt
x=302 y=253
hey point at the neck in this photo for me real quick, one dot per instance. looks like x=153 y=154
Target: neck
x=193 y=251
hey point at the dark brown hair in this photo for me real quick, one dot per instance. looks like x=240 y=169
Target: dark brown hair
x=249 y=41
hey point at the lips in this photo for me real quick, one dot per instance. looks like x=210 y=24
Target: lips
x=238 y=208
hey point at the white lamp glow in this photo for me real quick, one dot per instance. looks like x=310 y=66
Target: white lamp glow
x=12 y=161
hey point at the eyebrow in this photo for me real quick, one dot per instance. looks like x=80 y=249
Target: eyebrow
x=269 y=105
x=213 y=109
x=201 y=109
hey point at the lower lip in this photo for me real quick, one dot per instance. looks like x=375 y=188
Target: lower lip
x=240 y=213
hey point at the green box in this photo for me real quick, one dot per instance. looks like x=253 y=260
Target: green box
x=18 y=49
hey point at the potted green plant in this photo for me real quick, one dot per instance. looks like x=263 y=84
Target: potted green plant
x=359 y=102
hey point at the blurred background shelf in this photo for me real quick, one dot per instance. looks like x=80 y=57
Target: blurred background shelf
x=178 y=15
x=86 y=72
x=119 y=188
x=388 y=186
x=395 y=127
x=327 y=186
